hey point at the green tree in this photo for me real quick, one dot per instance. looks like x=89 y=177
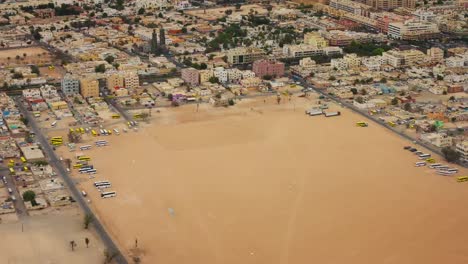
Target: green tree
x=332 y=78
x=440 y=77
x=354 y=90
x=100 y=68
x=35 y=69
x=141 y=11
x=228 y=12
x=184 y=30
x=110 y=59
x=238 y=6
x=450 y=154
x=452 y=98
x=170 y=97
x=394 y=101
x=383 y=80
x=73 y=245
x=359 y=99
x=213 y=79
x=109 y=256
x=87 y=219
x=29 y=196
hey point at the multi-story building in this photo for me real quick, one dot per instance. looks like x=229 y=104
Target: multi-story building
x=234 y=75
x=302 y=50
x=243 y=55
x=221 y=74
x=403 y=58
x=190 y=76
x=89 y=87
x=115 y=81
x=32 y=94
x=131 y=80
x=351 y=7
x=307 y=63
x=435 y=54
x=437 y=139
x=462 y=148
x=454 y=62
x=413 y=30
x=372 y=63
x=268 y=67
x=315 y=39
x=248 y=74
x=205 y=75
x=70 y=85
x=349 y=61
x=157 y=4
x=426 y=15
x=389 y=4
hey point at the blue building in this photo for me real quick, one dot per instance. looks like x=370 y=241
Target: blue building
x=70 y=85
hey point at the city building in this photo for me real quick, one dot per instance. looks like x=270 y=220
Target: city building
x=45 y=13
x=349 y=61
x=70 y=85
x=435 y=54
x=351 y=7
x=243 y=55
x=389 y=4
x=454 y=62
x=89 y=87
x=307 y=63
x=397 y=58
x=302 y=50
x=462 y=148
x=234 y=75
x=131 y=80
x=115 y=81
x=221 y=74
x=314 y=39
x=190 y=76
x=413 y=30
x=437 y=139
x=205 y=75
x=262 y=68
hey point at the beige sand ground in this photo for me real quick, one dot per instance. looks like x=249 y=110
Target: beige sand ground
x=276 y=186
x=34 y=55
x=46 y=239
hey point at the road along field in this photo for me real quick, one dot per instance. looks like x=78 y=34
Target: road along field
x=262 y=183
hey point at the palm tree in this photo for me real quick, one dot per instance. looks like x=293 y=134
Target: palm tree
x=24 y=55
x=72 y=244
x=86 y=240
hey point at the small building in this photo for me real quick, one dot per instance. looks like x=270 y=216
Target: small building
x=32 y=153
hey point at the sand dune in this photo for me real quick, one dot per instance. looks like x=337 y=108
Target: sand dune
x=276 y=187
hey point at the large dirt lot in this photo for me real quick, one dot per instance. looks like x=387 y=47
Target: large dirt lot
x=261 y=183
x=34 y=55
x=46 y=239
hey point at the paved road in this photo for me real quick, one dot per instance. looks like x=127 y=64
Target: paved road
x=58 y=165
x=20 y=207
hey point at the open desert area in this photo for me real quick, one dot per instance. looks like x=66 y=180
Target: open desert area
x=46 y=239
x=261 y=183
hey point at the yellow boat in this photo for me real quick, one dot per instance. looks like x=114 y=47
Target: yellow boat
x=462 y=179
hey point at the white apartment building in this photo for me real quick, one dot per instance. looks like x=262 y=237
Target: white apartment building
x=221 y=74
x=412 y=30
x=454 y=62
x=32 y=94
x=307 y=63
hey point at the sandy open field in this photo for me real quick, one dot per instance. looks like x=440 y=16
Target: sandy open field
x=34 y=55
x=46 y=240
x=272 y=185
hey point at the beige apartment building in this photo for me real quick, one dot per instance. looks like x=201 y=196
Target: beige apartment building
x=397 y=58
x=314 y=39
x=89 y=87
x=115 y=81
x=243 y=55
x=131 y=80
